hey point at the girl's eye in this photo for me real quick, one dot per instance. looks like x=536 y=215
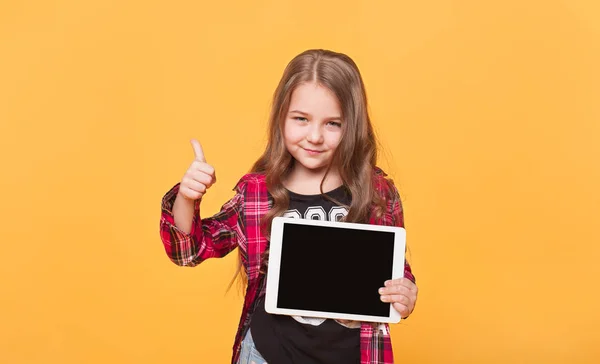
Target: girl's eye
x=335 y=123
x=300 y=118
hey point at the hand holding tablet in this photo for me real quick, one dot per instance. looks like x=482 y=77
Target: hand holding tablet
x=333 y=269
x=402 y=293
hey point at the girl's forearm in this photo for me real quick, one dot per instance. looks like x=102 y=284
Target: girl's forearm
x=183 y=213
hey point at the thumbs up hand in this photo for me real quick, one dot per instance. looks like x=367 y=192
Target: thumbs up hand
x=199 y=176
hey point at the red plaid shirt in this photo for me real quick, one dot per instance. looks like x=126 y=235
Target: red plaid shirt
x=237 y=225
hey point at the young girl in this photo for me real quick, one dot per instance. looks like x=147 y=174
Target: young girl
x=320 y=162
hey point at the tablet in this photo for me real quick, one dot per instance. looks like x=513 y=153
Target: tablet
x=331 y=269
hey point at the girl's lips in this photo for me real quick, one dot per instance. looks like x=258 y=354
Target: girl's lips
x=310 y=151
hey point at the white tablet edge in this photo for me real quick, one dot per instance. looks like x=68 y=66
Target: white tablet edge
x=274 y=265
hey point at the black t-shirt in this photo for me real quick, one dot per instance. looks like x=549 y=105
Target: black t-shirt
x=283 y=339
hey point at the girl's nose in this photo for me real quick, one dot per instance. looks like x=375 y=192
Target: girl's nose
x=315 y=135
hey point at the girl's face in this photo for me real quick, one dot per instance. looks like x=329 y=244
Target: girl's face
x=313 y=127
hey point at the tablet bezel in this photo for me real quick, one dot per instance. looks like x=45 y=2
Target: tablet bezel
x=274 y=265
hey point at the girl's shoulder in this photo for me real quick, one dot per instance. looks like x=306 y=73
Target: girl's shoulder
x=250 y=180
x=378 y=172
x=383 y=184
x=381 y=179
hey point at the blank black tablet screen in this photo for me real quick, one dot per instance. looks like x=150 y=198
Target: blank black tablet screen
x=334 y=269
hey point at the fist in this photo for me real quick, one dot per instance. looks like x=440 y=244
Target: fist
x=199 y=176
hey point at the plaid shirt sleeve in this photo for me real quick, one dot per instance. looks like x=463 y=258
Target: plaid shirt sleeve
x=398 y=220
x=212 y=237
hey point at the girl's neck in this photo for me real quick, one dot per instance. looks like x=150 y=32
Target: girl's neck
x=306 y=182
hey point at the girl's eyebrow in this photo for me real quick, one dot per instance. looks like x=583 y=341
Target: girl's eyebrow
x=306 y=114
x=299 y=112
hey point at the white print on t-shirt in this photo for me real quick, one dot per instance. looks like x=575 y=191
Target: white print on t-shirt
x=336 y=213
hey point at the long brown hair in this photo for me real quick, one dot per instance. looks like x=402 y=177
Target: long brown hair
x=356 y=155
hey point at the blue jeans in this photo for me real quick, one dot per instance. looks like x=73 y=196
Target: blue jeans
x=248 y=352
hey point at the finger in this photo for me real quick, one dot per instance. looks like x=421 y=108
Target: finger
x=203 y=167
x=403 y=282
x=397 y=289
x=395 y=298
x=194 y=185
x=402 y=309
x=201 y=177
x=189 y=193
x=408 y=284
x=398 y=298
x=397 y=281
x=198 y=152
x=392 y=282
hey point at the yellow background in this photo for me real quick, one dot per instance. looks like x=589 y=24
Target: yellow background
x=488 y=112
